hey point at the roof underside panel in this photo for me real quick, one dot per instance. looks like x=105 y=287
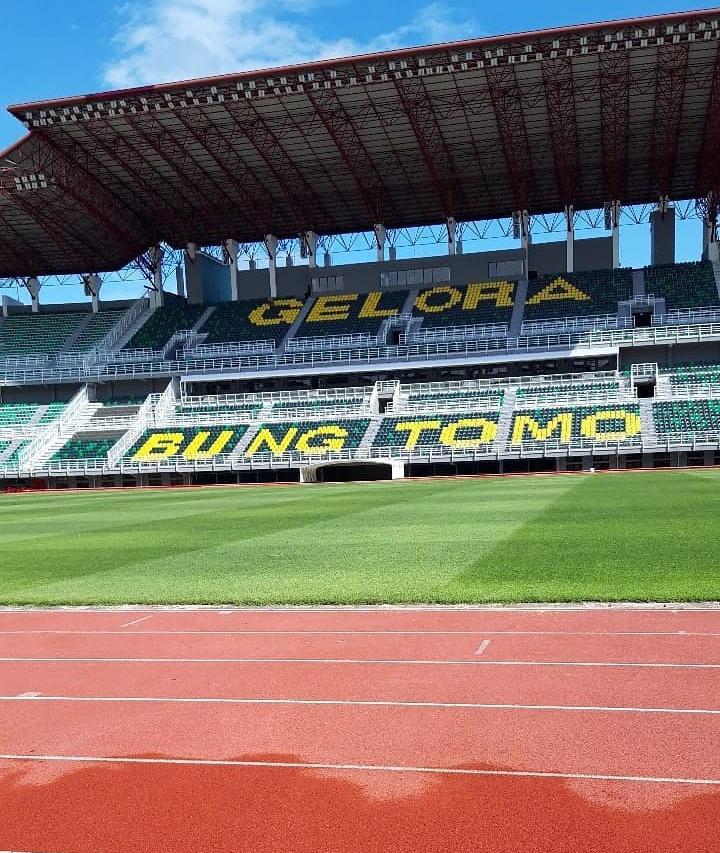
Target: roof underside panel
x=538 y=122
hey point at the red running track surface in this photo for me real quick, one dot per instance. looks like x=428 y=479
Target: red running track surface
x=577 y=731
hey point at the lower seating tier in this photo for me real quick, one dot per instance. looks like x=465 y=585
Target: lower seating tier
x=87 y=445
x=469 y=430
x=686 y=416
x=191 y=443
x=562 y=425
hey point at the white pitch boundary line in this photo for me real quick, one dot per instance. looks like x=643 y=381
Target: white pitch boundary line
x=372 y=662
x=361 y=703
x=619 y=607
x=361 y=768
x=270 y=632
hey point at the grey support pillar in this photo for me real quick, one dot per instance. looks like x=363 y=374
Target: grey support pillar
x=662 y=234
x=570 y=238
x=232 y=250
x=271 y=246
x=156 y=258
x=451 y=232
x=311 y=247
x=34 y=287
x=711 y=247
x=612 y=223
x=92 y=284
x=521 y=230
x=380 y=235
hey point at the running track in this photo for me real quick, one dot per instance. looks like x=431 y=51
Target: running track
x=330 y=731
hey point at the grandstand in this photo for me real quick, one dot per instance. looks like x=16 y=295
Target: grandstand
x=547 y=357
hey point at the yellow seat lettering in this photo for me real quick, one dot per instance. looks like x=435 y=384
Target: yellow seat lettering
x=194 y=450
x=498 y=292
x=558 y=290
x=334 y=306
x=449 y=298
x=487 y=432
x=371 y=307
x=592 y=425
x=276 y=313
x=331 y=437
x=161 y=445
x=415 y=429
x=266 y=441
x=538 y=432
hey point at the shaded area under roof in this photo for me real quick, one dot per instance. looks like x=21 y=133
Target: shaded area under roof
x=580 y=116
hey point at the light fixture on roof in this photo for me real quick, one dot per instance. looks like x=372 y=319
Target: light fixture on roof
x=31 y=181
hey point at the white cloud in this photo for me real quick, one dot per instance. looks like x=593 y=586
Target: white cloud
x=167 y=40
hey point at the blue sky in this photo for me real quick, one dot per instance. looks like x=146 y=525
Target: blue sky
x=53 y=49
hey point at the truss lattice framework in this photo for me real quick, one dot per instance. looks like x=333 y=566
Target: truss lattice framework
x=404 y=138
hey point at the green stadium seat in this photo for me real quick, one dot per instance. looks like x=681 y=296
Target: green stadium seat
x=26 y=334
x=163 y=323
x=612 y=422
x=686 y=416
x=690 y=285
x=478 y=304
x=251 y=320
x=463 y=430
x=194 y=443
x=100 y=325
x=88 y=445
x=351 y=313
x=578 y=294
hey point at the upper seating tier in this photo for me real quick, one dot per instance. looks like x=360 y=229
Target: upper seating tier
x=577 y=294
x=28 y=334
x=690 y=285
x=251 y=320
x=163 y=323
x=481 y=303
x=351 y=313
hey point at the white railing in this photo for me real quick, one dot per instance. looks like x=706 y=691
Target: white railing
x=129 y=317
x=599 y=398
x=456 y=333
x=144 y=419
x=321 y=342
x=687 y=316
x=62 y=427
x=14 y=361
x=599 y=323
x=228 y=348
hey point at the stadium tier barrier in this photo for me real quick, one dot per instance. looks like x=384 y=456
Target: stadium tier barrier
x=471 y=419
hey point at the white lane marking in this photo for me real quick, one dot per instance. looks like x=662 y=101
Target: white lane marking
x=591 y=608
x=481 y=648
x=27 y=696
x=362 y=703
x=373 y=662
x=360 y=768
x=137 y=621
x=311 y=633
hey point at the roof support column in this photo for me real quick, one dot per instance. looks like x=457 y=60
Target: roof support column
x=232 y=248
x=711 y=247
x=92 y=284
x=34 y=287
x=570 y=238
x=612 y=223
x=380 y=234
x=156 y=254
x=521 y=231
x=271 y=246
x=451 y=231
x=310 y=238
x=662 y=233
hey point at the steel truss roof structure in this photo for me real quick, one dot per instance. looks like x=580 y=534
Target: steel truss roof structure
x=574 y=117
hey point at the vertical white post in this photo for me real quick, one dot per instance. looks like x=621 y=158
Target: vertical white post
x=93 y=283
x=311 y=245
x=380 y=234
x=570 y=237
x=615 y=223
x=713 y=247
x=451 y=230
x=34 y=286
x=271 y=246
x=232 y=248
x=525 y=239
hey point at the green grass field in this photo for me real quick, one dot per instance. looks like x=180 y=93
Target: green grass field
x=641 y=537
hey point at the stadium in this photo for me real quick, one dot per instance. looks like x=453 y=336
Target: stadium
x=434 y=701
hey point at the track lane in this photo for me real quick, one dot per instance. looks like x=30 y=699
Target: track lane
x=613 y=619
x=678 y=649
x=692 y=688
x=603 y=743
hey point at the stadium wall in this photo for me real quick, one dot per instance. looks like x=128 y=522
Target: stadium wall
x=208 y=280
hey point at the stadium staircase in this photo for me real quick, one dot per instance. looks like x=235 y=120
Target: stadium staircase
x=76 y=416
x=10 y=449
x=716 y=270
x=516 y=320
x=297 y=323
x=79 y=329
x=648 y=421
x=638 y=283
x=135 y=318
x=370 y=434
x=505 y=420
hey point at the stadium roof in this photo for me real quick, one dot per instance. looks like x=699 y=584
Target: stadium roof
x=582 y=115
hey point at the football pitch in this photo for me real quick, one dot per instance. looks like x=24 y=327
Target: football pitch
x=643 y=537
